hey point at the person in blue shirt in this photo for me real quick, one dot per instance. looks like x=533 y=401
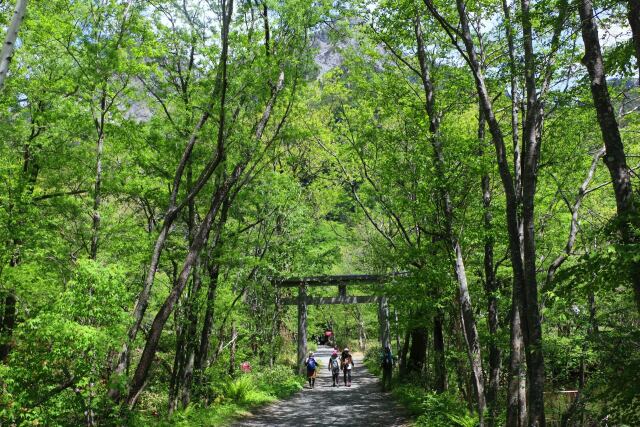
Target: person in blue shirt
x=312 y=369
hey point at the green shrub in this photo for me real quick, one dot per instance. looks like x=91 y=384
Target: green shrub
x=279 y=381
x=239 y=389
x=433 y=409
x=372 y=359
x=54 y=372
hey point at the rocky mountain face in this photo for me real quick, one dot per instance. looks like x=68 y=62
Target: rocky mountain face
x=328 y=56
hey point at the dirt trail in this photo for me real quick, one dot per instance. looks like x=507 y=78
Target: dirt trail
x=362 y=404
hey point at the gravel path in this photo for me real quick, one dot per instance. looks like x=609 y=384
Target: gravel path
x=362 y=404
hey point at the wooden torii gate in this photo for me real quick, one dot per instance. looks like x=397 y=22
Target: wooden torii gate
x=302 y=301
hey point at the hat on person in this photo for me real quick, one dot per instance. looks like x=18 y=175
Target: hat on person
x=346 y=349
x=335 y=353
x=311 y=353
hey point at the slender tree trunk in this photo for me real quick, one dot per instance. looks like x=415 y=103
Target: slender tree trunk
x=404 y=352
x=191 y=311
x=462 y=374
x=97 y=188
x=397 y=328
x=302 y=328
x=516 y=388
x=183 y=391
x=213 y=270
x=472 y=339
x=516 y=396
x=232 y=352
x=469 y=328
x=531 y=314
x=10 y=39
x=383 y=317
x=439 y=361
x=207 y=326
x=177 y=363
x=491 y=289
x=7 y=324
x=174 y=208
x=633 y=13
x=515 y=99
x=615 y=158
x=148 y=354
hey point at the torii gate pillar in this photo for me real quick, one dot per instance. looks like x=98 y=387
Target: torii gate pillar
x=383 y=318
x=302 y=328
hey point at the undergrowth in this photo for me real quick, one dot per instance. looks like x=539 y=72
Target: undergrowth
x=235 y=397
x=430 y=408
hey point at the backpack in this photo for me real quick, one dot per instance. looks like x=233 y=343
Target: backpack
x=335 y=367
x=311 y=364
x=347 y=363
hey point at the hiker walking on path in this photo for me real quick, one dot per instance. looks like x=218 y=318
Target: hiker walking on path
x=334 y=368
x=361 y=405
x=312 y=369
x=387 y=368
x=347 y=366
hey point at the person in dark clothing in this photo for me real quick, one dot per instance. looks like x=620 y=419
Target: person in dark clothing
x=334 y=368
x=387 y=368
x=347 y=366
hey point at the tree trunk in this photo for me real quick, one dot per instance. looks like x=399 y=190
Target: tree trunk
x=462 y=374
x=302 y=328
x=174 y=208
x=516 y=389
x=615 y=158
x=404 y=352
x=148 y=354
x=532 y=326
x=177 y=363
x=213 y=270
x=232 y=350
x=633 y=13
x=491 y=289
x=532 y=329
x=97 y=188
x=472 y=339
x=439 y=362
x=418 y=350
x=191 y=342
x=516 y=396
x=383 y=318
x=469 y=328
x=7 y=324
x=207 y=326
x=10 y=39
x=397 y=327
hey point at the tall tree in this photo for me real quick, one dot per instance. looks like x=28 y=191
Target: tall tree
x=615 y=157
x=10 y=39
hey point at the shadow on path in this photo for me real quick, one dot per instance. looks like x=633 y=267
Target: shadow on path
x=362 y=404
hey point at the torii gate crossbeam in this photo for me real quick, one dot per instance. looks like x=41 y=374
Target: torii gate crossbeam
x=302 y=301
